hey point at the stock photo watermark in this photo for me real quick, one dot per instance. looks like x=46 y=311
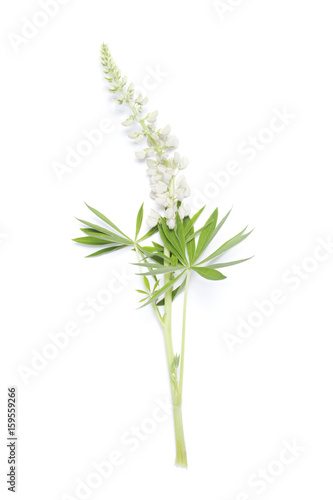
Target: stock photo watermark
x=131 y=441
x=247 y=152
x=292 y=279
x=85 y=313
x=265 y=476
x=3 y=237
x=224 y=8
x=86 y=146
x=31 y=27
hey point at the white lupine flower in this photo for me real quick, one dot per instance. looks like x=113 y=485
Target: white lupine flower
x=170 y=213
x=144 y=101
x=128 y=122
x=151 y=163
x=161 y=168
x=151 y=171
x=139 y=138
x=171 y=223
x=155 y=178
x=176 y=157
x=184 y=210
x=162 y=199
x=183 y=190
x=150 y=151
x=184 y=163
x=132 y=135
x=165 y=130
x=172 y=141
x=152 y=117
x=169 y=173
x=153 y=218
x=140 y=154
x=159 y=187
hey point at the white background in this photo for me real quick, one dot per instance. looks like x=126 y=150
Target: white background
x=223 y=77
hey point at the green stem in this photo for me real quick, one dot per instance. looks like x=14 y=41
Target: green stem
x=182 y=356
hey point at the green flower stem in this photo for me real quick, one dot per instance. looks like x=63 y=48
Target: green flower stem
x=181 y=371
x=157 y=312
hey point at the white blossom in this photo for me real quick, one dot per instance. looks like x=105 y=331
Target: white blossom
x=152 y=117
x=171 y=223
x=140 y=154
x=183 y=190
x=184 y=210
x=176 y=158
x=128 y=122
x=172 y=141
x=153 y=218
x=183 y=163
x=165 y=130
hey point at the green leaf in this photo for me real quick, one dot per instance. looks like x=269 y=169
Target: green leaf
x=150 y=233
x=146 y=282
x=227 y=264
x=180 y=233
x=106 y=250
x=106 y=220
x=175 y=292
x=171 y=241
x=158 y=246
x=106 y=234
x=153 y=255
x=190 y=245
x=162 y=290
x=209 y=273
x=139 y=221
x=191 y=234
x=162 y=270
x=206 y=233
x=90 y=240
x=217 y=228
x=91 y=232
x=189 y=223
x=227 y=245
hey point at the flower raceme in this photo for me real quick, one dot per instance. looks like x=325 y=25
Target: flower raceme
x=163 y=161
x=165 y=265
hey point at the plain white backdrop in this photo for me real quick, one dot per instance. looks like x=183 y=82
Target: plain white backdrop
x=218 y=73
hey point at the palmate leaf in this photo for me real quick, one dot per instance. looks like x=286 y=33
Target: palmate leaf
x=206 y=234
x=188 y=223
x=106 y=220
x=108 y=235
x=190 y=245
x=227 y=246
x=179 y=229
x=175 y=292
x=91 y=240
x=209 y=273
x=162 y=270
x=150 y=233
x=192 y=234
x=107 y=250
x=139 y=220
x=171 y=241
x=162 y=290
x=154 y=255
x=228 y=264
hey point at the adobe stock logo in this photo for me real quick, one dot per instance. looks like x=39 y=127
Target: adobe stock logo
x=292 y=280
x=75 y=155
x=225 y=7
x=30 y=28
